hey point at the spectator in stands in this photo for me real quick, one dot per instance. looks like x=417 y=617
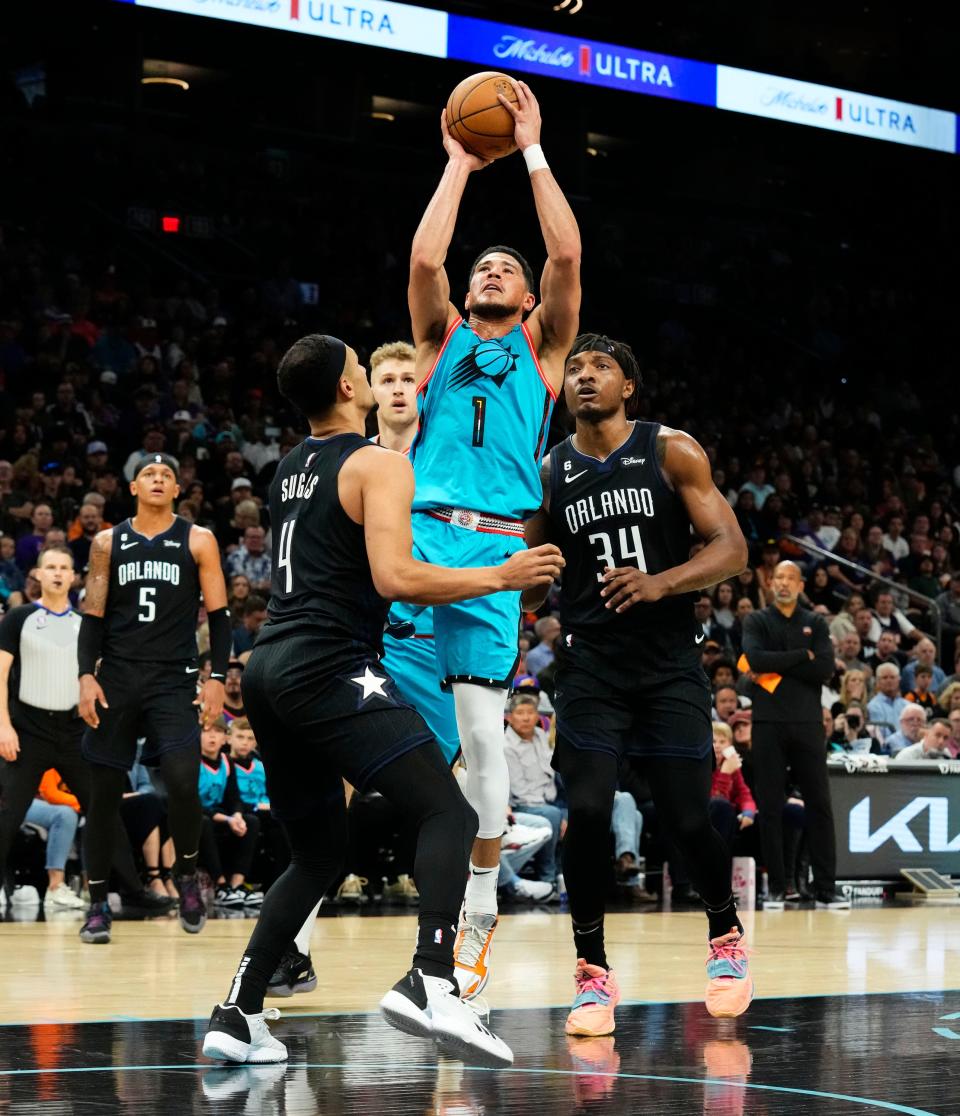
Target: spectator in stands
x=710 y=653
x=913 y=722
x=154 y=440
x=144 y=817
x=30 y=545
x=725 y=703
x=254 y=615
x=890 y=618
x=724 y=604
x=954 y=719
x=853 y=687
x=887 y=652
x=703 y=614
x=11 y=576
x=921 y=693
x=844 y=621
x=935 y=744
x=732 y=807
x=525 y=835
x=228 y=839
x=758 y=485
x=887 y=704
x=252 y=560
x=744 y=607
x=769 y=557
x=819 y=591
x=848 y=653
x=57 y=811
x=847 y=580
x=533 y=785
x=850 y=732
x=832 y=524
x=239 y=590
x=252 y=789
x=91 y=522
x=948 y=605
x=949 y=698
x=926 y=653
x=894 y=542
x=233 y=691
x=863 y=625
x=547 y=630
x=745 y=585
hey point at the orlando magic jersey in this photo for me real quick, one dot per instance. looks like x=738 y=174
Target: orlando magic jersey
x=322 y=582
x=483 y=425
x=154 y=596
x=621 y=512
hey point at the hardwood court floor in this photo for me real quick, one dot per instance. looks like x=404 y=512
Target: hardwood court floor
x=857 y=1012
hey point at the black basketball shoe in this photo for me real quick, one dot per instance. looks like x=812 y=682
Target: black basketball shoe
x=193 y=910
x=293 y=974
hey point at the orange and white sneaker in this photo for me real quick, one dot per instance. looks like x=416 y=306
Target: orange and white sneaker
x=471 y=953
x=729 y=984
x=597 y=995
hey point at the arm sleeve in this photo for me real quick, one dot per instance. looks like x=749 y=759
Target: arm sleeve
x=764 y=662
x=221 y=640
x=10 y=628
x=89 y=644
x=232 y=803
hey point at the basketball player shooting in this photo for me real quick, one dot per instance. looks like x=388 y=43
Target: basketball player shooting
x=490 y=380
x=143 y=594
x=623 y=500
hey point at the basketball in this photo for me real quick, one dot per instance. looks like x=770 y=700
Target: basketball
x=476 y=118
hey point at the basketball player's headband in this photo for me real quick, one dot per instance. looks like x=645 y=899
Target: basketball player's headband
x=336 y=360
x=158 y=459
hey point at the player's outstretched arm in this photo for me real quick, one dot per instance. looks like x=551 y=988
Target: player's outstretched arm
x=687 y=468
x=428 y=293
x=376 y=489
x=554 y=323
x=206 y=553
x=90 y=641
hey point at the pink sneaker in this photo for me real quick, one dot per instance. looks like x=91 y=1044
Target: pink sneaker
x=597 y=995
x=730 y=986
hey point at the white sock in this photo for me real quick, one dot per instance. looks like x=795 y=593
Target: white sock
x=302 y=940
x=481 y=896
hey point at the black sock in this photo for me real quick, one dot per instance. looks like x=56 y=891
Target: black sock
x=588 y=939
x=723 y=919
x=435 y=939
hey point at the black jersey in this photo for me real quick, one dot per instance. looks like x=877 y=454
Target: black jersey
x=621 y=512
x=154 y=596
x=321 y=574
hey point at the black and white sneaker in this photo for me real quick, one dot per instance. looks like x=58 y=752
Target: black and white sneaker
x=233 y=1036
x=226 y=896
x=294 y=974
x=832 y=901
x=193 y=910
x=430 y=1007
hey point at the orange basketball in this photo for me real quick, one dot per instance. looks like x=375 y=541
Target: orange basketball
x=476 y=118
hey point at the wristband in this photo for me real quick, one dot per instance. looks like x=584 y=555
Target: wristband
x=221 y=639
x=535 y=159
x=89 y=644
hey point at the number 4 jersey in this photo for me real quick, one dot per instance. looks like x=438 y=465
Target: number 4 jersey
x=154 y=596
x=621 y=512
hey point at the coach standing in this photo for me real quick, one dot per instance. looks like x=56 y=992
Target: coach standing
x=790 y=657
x=39 y=724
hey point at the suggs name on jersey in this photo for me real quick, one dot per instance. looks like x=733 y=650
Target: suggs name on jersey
x=616 y=501
x=298 y=487
x=149 y=571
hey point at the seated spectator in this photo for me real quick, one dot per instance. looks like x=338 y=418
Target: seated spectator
x=769 y=558
x=252 y=789
x=949 y=698
x=932 y=747
x=888 y=618
x=745 y=585
x=848 y=653
x=844 y=622
x=722 y=673
x=233 y=691
x=703 y=614
x=853 y=687
x=57 y=811
x=863 y=624
x=844 y=578
x=229 y=835
x=948 y=605
x=29 y=545
x=887 y=652
x=709 y=654
x=626 y=825
x=850 y=732
x=726 y=702
x=887 y=703
x=724 y=602
x=921 y=693
x=238 y=590
x=819 y=591
x=913 y=724
x=254 y=615
x=954 y=720
x=144 y=816
x=547 y=630
x=533 y=785
x=894 y=542
x=252 y=560
x=91 y=523
x=524 y=837
x=926 y=653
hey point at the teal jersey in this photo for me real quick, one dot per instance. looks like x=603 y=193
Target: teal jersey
x=483 y=425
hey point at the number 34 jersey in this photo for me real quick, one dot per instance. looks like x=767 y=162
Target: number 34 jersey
x=483 y=425
x=154 y=596
x=621 y=512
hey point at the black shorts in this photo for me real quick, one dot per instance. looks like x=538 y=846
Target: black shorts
x=642 y=715
x=149 y=700
x=322 y=710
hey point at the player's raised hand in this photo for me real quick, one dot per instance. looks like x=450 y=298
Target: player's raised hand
x=540 y=565
x=626 y=585
x=90 y=694
x=457 y=152
x=210 y=699
x=525 y=113
x=9 y=743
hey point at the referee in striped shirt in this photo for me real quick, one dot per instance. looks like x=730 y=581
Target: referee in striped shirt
x=39 y=724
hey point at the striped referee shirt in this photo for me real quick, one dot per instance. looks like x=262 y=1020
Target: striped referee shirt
x=44 y=649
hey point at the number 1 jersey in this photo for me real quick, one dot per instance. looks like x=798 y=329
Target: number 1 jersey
x=483 y=425
x=621 y=512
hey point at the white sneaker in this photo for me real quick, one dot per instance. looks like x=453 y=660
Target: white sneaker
x=535 y=891
x=523 y=836
x=3 y=898
x=26 y=895
x=471 y=953
x=233 y=1036
x=62 y=899
x=351 y=890
x=429 y=1007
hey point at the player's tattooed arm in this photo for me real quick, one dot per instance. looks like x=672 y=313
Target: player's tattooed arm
x=97 y=584
x=686 y=469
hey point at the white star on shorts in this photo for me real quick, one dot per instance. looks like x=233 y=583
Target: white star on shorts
x=371 y=683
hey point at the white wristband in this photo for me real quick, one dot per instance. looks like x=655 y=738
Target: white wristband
x=535 y=159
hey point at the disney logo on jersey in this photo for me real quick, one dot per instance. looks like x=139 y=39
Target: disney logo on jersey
x=633 y=461
x=298 y=487
x=486 y=360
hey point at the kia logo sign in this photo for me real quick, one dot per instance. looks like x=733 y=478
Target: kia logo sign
x=897 y=828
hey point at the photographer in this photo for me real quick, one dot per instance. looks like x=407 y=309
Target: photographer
x=850 y=732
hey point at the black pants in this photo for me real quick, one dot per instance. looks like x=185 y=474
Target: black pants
x=797 y=748
x=53 y=740
x=225 y=853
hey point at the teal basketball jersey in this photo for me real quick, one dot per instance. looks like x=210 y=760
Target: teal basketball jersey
x=483 y=425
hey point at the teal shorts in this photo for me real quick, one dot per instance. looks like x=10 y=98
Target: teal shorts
x=475 y=640
x=412 y=664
